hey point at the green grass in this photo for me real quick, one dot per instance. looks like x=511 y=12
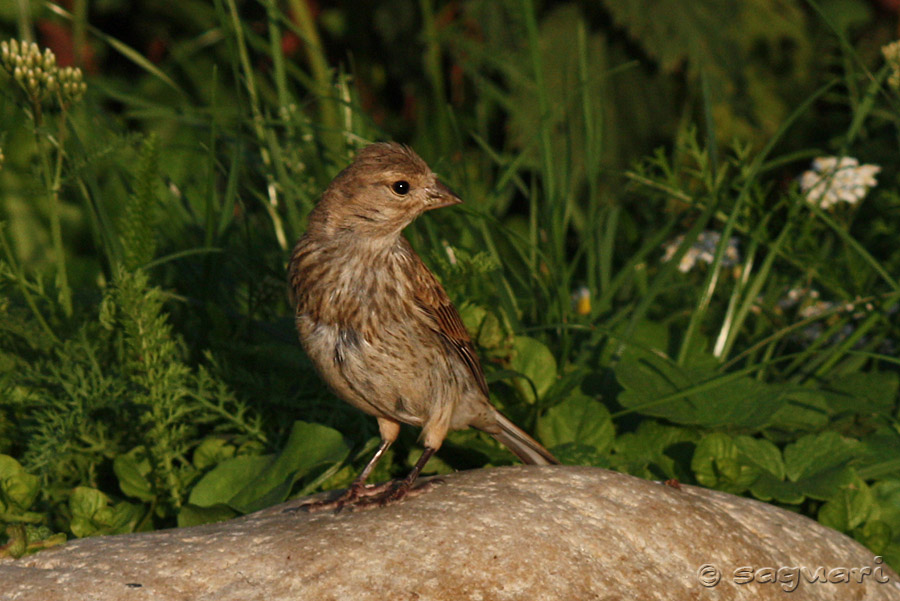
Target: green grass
x=147 y=351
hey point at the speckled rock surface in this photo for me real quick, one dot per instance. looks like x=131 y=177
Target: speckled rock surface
x=529 y=533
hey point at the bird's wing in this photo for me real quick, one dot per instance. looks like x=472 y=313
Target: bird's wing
x=444 y=319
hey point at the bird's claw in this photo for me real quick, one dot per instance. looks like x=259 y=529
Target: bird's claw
x=363 y=497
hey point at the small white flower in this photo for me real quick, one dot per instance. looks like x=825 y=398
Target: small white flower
x=704 y=250
x=815 y=309
x=795 y=296
x=837 y=179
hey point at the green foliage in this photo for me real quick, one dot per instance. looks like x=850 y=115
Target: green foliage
x=647 y=282
x=310 y=448
x=138 y=223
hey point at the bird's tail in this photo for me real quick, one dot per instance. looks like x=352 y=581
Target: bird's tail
x=523 y=446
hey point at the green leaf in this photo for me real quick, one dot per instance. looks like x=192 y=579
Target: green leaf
x=86 y=502
x=573 y=453
x=816 y=453
x=880 y=454
x=825 y=484
x=848 y=509
x=533 y=360
x=647 y=339
x=651 y=451
x=579 y=419
x=472 y=316
x=803 y=410
x=886 y=503
x=762 y=454
x=491 y=333
x=17 y=487
x=862 y=393
x=875 y=535
x=249 y=483
x=212 y=451
x=92 y=513
x=672 y=32
x=132 y=470
x=192 y=515
x=696 y=396
x=224 y=481
x=717 y=464
x=846 y=14
x=768 y=488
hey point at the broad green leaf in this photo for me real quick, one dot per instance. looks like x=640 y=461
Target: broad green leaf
x=491 y=334
x=212 y=451
x=848 y=509
x=863 y=393
x=880 y=454
x=309 y=447
x=717 y=464
x=762 y=454
x=673 y=32
x=16 y=485
x=225 y=480
x=768 y=488
x=891 y=554
x=132 y=470
x=472 y=316
x=533 y=360
x=658 y=387
x=573 y=453
x=87 y=502
x=886 y=503
x=846 y=14
x=652 y=450
x=92 y=514
x=874 y=534
x=579 y=419
x=816 y=453
x=249 y=483
x=825 y=484
x=647 y=339
x=192 y=515
x=803 y=410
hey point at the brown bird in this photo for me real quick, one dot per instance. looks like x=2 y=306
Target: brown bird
x=377 y=324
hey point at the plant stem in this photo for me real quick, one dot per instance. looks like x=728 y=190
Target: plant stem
x=52 y=182
x=20 y=280
x=331 y=135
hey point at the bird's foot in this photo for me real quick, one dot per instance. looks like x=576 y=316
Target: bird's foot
x=398 y=491
x=349 y=497
x=368 y=496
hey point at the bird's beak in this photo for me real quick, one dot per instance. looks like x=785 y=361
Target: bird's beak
x=439 y=195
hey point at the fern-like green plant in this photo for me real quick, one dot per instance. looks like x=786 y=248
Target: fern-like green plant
x=118 y=399
x=137 y=225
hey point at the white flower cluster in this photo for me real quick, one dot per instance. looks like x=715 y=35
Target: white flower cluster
x=837 y=179
x=38 y=73
x=703 y=250
x=807 y=304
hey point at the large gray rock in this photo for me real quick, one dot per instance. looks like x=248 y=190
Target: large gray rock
x=530 y=533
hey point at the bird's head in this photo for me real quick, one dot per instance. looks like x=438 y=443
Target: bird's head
x=385 y=188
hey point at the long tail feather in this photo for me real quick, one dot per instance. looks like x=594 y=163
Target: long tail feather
x=521 y=444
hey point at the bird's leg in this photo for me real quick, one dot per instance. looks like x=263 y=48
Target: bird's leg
x=401 y=489
x=359 y=489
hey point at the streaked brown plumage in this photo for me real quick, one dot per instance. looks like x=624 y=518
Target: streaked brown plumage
x=377 y=324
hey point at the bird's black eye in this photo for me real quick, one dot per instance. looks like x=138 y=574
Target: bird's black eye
x=400 y=187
